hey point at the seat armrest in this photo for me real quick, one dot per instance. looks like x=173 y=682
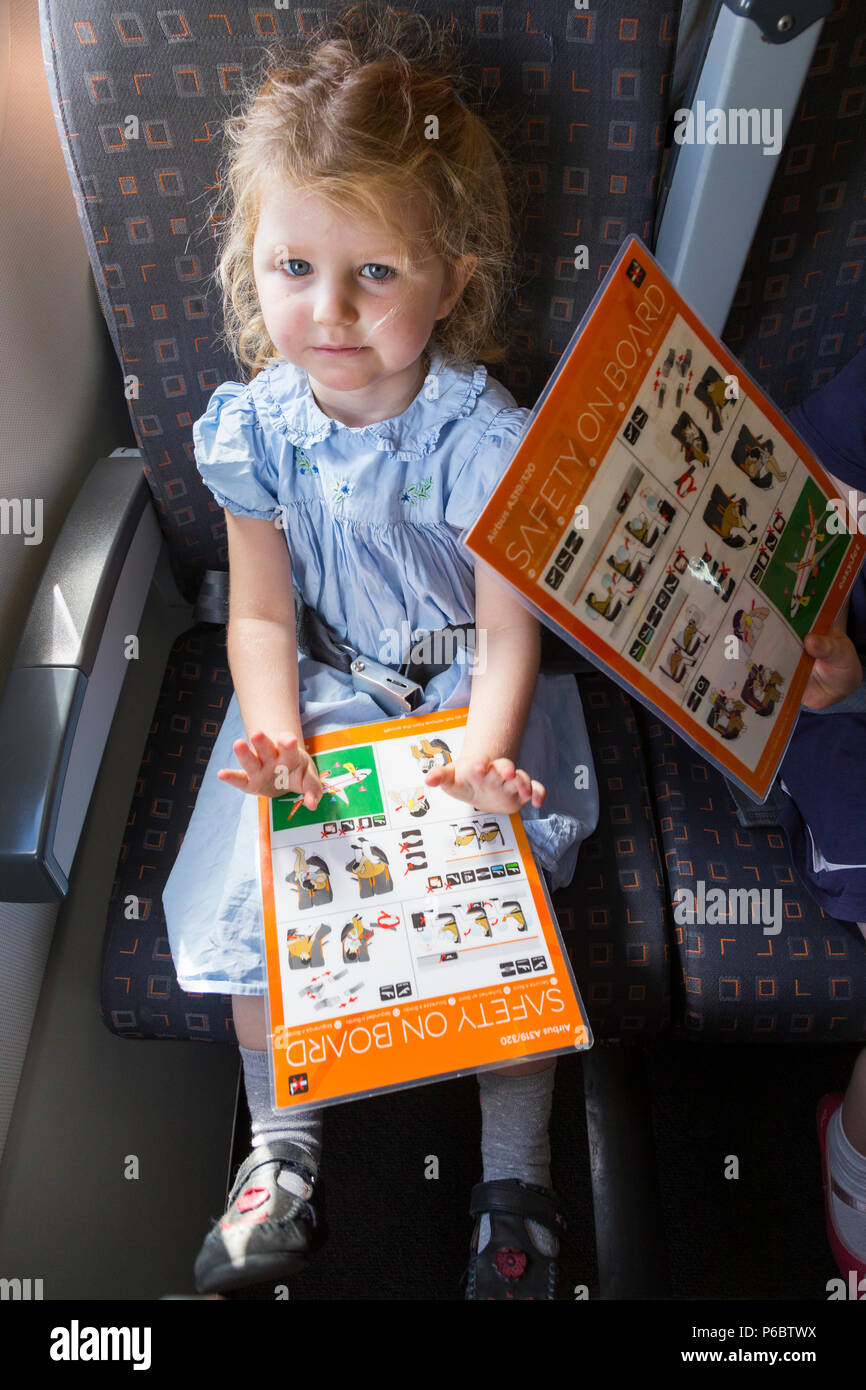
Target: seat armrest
x=59 y=701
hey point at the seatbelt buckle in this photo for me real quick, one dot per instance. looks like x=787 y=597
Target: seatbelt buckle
x=393 y=692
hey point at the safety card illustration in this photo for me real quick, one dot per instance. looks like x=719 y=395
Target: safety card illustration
x=408 y=937
x=664 y=518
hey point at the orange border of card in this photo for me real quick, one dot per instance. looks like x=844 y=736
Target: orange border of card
x=418 y=1040
x=553 y=468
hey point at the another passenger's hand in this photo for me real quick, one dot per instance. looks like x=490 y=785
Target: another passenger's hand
x=272 y=769
x=497 y=786
x=837 y=672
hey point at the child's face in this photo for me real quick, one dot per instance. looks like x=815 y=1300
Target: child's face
x=331 y=281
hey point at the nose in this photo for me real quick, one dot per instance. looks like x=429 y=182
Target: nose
x=333 y=303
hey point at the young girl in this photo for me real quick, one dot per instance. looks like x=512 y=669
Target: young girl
x=367 y=252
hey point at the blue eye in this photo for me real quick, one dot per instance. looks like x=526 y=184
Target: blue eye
x=290 y=263
x=284 y=265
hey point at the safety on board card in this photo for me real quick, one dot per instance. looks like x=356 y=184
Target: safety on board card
x=664 y=518
x=409 y=938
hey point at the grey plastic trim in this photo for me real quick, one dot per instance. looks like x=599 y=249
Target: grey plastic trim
x=69 y=612
x=64 y=685
x=38 y=716
x=780 y=21
x=716 y=193
x=104 y=685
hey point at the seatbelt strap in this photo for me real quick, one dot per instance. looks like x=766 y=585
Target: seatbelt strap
x=398 y=691
x=394 y=692
x=750 y=813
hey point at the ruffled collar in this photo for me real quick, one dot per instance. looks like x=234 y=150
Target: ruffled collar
x=285 y=396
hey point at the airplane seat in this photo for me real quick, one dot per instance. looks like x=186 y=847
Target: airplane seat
x=796 y=974
x=140 y=98
x=612 y=915
x=795 y=321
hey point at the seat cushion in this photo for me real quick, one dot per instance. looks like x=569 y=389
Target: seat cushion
x=612 y=914
x=140 y=994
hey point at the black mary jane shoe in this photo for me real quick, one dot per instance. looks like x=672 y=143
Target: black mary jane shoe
x=270 y=1229
x=511 y=1266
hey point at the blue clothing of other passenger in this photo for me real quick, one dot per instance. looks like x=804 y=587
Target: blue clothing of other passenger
x=824 y=768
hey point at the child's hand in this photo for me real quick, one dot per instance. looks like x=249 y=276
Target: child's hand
x=272 y=769
x=837 y=672
x=495 y=786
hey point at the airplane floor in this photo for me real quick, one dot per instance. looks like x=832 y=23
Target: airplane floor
x=398 y=1235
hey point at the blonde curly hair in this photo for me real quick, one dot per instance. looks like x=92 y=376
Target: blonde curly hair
x=349 y=118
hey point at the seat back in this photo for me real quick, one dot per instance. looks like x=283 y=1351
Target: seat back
x=141 y=96
x=798 y=313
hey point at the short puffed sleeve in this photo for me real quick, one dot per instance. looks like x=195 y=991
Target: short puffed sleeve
x=477 y=478
x=232 y=454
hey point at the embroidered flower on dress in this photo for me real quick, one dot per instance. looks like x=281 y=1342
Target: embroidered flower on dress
x=303 y=464
x=342 y=490
x=417 y=492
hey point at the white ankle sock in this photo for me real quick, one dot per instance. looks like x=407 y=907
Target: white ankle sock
x=515 y=1113
x=302 y=1127
x=848 y=1167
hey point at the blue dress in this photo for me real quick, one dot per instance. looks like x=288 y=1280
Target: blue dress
x=372 y=517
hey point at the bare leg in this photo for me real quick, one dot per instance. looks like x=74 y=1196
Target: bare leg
x=250 y=1021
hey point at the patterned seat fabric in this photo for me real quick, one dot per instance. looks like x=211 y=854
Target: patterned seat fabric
x=797 y=316
x=140 y=994
x=140 y=95
x=735 y=982
x=613 y=913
